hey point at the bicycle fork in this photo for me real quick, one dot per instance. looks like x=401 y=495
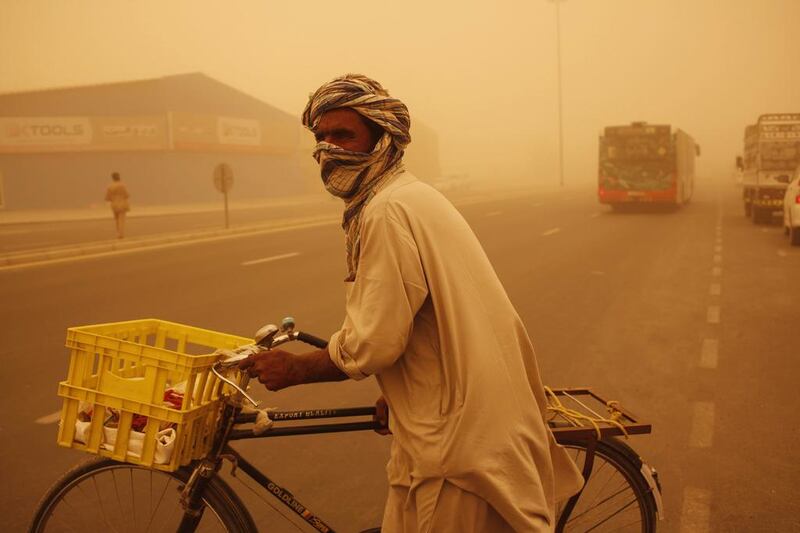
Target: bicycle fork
x=192 y=494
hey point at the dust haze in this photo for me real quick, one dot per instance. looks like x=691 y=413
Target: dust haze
x=482 y=75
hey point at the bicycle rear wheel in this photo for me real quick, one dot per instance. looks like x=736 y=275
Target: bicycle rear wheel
x=617 y=497
x=106 y=495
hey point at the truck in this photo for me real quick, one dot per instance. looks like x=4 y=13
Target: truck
x=646 y=163
x=771 y=154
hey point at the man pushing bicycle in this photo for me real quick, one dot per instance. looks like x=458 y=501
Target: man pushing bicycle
x=428 y=317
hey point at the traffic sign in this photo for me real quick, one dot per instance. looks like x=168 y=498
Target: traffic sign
x=223 y=177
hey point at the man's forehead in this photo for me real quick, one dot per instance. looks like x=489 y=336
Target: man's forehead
x=341 y=116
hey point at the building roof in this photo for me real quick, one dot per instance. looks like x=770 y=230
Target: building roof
x=189 y=93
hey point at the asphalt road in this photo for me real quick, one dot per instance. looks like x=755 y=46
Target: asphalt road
x=688 y=318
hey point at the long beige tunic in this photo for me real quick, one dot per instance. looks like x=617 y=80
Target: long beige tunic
x=428 y=317
x=118 y=195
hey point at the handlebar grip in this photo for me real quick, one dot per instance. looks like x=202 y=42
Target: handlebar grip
x=312 y=340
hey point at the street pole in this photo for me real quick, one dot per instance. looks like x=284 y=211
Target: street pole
x=560 y=119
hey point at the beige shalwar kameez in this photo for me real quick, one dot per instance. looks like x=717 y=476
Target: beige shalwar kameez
x=429 y=318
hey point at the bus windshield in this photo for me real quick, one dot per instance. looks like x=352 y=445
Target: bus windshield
x=636 y=161
x=637 y=148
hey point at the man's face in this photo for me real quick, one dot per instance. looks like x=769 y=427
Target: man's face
x=346 y=129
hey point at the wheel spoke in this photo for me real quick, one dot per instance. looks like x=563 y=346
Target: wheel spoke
x=86 y=501
x=133 y=499
x=116 y=491
x=612 y=499
x=100 y=503
x=611 y=516
x=74 y=511
x=153 y=512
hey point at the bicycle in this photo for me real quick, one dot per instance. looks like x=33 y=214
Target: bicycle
x=621 y=492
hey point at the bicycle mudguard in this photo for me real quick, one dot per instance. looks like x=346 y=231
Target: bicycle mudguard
x=648 y=472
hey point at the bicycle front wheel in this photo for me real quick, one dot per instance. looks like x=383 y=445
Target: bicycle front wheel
x=617 y=497
x=106 y=495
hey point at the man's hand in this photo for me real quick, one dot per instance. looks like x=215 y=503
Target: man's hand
x=276 y=369
x=382 y=416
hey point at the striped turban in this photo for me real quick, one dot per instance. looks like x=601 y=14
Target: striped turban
x=356 y=176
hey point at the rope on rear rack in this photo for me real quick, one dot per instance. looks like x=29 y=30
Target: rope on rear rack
x=576 y=418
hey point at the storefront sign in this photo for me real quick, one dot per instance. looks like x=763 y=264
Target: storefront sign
x=44 y=132
x=238 y=131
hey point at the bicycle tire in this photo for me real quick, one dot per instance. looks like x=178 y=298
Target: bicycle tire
x=100 y=483
x=615 y=491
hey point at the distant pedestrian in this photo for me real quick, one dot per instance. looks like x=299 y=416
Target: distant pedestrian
x=118 y=195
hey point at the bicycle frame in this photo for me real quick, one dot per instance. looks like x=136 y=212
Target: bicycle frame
x=232 y=416
x=208 y=467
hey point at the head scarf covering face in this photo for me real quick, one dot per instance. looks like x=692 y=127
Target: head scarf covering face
x=356 y=176
x=343 y=171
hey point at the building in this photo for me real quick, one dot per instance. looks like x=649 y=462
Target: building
x=164 y=136
x=58 y=147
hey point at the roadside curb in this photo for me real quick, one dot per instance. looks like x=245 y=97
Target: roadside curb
x=9 y=218
x=18 y=259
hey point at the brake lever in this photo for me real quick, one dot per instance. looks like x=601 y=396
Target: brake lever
x=234 y=385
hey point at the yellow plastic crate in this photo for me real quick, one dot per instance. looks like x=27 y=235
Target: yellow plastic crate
x=127 y=366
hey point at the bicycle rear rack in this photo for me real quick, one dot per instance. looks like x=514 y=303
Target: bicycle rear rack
x=588 y=403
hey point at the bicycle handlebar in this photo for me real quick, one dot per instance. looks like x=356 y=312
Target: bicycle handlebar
x=312 y=340
x=265 y=339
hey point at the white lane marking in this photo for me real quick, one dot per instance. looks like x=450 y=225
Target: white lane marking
x=709 y=354
x=782 y=253
x=171 y=244
x=551 y=232
x=595 y=215
x=718 y=248
x=696 y=510
x=716 y=271
x=52 y=418
x=268 y=259
x=494 y=213
x=712 y=315
x=701 y=433
x=715 y=289
x=598 y=273
x=717 y=258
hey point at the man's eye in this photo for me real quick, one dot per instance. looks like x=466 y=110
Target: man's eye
x=342 y=134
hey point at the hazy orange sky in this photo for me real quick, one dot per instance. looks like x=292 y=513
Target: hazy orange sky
x=482 y=74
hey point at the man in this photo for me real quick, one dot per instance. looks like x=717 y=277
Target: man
x=117 y=195
x=428 y=317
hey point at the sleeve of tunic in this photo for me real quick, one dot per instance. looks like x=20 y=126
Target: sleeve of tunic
x=388 y=291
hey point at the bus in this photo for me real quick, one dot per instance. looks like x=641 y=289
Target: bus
x=643 y=163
